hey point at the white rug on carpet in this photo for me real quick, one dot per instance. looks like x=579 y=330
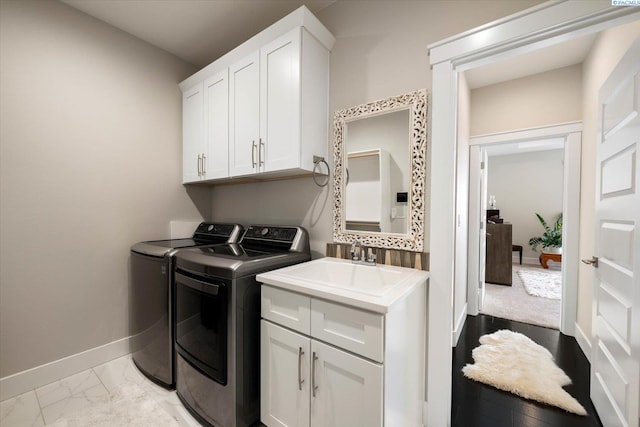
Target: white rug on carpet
x=546 y=284
x=512 y=362
x=128 y=406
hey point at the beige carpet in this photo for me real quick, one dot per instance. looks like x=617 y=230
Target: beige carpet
x=514 y=303
x=512 y=362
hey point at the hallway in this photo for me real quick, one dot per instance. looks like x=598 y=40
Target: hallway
x=478 y=405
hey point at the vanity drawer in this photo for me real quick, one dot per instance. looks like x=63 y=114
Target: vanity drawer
x=286 y=308
x=356 y=330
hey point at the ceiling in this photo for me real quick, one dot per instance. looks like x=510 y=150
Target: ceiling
x=196 y=31
x=200 y=31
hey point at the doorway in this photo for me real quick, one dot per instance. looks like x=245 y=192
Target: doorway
x=569 y=137
x=523 y=180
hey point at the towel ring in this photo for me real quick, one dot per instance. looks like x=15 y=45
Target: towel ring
x=316 y=161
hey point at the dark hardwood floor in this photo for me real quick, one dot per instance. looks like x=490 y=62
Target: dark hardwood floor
x=478 y=405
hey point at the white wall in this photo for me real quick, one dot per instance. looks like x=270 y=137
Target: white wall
x=541 y=99
x=462 y=208
x=605 y=54
x=524 y=184
x=90 y=152
x=380 y=52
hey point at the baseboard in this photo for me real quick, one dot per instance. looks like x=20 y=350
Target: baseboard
x=459 y=325
x=583 y=342
x=30 y=379
x=515 y=259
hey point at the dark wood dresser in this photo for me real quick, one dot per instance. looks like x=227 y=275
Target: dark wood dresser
x=498 y=260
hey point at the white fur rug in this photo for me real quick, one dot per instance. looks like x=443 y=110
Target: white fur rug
x=512 y=362
x=545 y=284
x=127 y=406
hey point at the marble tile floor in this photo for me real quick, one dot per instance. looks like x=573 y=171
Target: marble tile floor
x=92 y=388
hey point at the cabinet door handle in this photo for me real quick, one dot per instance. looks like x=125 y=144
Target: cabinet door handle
x=253 y=153
x=300 y=380
x=199 y=165
x=204 y=164
x=260 y=150
x=314 y=387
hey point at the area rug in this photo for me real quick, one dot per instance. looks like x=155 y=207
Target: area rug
x=545 y=284
x=512 y=362
x=128 y=406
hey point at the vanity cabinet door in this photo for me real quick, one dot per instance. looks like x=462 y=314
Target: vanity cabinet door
x=216 y=117
x=244 y=119
x=193 y=142
x=280 y=103
x=346 y=390
x=284 y=377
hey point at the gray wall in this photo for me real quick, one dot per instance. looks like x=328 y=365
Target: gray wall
x=547 y=98
x=90 y=149
x=524 y=184
x=381 y=51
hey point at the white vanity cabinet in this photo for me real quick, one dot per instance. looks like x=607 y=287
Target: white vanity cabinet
x=279 y=106
x=205 y=142
x=329 y=364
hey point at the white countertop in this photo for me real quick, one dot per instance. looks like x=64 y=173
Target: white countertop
x=374 y=288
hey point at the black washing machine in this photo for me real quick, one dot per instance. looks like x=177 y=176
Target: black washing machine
x=218 y=322
x=151 y=300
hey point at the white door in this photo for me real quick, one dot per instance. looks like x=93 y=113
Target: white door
x=284 y=377
x=482 y=251
x=346 y=389
x=216 y=113
x=244 y=120
x=615 y=369
x=193 y=144
x=280 y=103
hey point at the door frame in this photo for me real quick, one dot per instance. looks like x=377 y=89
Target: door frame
x=541 y=26
x=572 y=135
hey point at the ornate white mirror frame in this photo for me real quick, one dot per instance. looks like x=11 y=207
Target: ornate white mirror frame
x=413 y=240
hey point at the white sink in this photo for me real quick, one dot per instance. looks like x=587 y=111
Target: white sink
x=374 y=280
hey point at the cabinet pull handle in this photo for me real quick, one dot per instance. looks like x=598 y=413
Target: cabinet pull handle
x=300 y=380
x=204 y=164
x=314 y=387
x=253 y=153
x=199 y=165
x=260 y=151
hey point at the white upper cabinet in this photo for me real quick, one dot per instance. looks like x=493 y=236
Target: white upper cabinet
x=276 y=87
x=216 y=119
x=193 y=143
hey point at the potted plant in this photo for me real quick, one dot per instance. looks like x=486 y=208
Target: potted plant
x=551 y=239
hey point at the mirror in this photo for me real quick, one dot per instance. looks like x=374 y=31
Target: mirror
x=380 y=169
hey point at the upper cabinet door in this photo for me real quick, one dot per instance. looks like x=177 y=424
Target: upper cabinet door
x=244 y=107
x=280 y=103
x=216 y=114
x=193 y=143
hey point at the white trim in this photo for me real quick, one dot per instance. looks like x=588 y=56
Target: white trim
x=570 y=207
x=30 y=379
x=521 y=33
x=583 y=342
x=455 y=335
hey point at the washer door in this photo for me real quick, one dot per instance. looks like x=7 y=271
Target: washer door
x=201 y=324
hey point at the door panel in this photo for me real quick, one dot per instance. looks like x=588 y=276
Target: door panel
x=615 y=369
x=216 y=105
x=280 y=103
x=244 y=110
x=192 y=133
x=349 y=389
x=284 y=377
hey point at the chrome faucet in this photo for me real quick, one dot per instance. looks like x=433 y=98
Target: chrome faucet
x=357 y=255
